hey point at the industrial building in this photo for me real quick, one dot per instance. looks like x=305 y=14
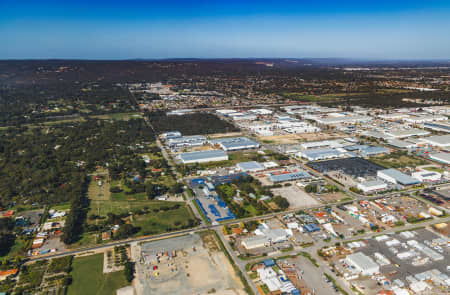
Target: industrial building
x=252 y=166
x=203 y=156
x=438 y=141
x=289 y=176
x=441 y=126
x=186 y=141
x=345 y=119
x=372 y=186
x=404 y=133
x=321 y=154
x=171 y=135
x=401 y=144
x=363 y=264
x=427 y=176
x=235 y=143
x=374 y=151
x=397 y=177
x=441 y=157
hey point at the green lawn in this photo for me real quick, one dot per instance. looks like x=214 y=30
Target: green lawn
x=395 y=160
x=435 y=169
x=88 y=277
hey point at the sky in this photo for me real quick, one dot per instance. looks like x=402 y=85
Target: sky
x=128 y=29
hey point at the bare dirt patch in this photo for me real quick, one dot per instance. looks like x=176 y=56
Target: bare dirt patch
x=296 y=138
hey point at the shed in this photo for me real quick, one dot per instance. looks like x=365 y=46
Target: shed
x=269 y=262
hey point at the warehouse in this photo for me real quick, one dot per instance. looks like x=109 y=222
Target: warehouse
x=404 y=133
x=186 y=141
x=441 y=157
x=401 y=144
x=289 y=176
x=429 y=176
x=321 y=154
x=424 y=118
x=345 y=119
x=372 y=186
x=235 y=143
x=203 y=157
x=252 y=166
x=363 y=264
x=441 y=126
x=171 y=135
x=439 y=141
x=321 y=144
x=397 y=177
x=255 y=242
x=374 y=151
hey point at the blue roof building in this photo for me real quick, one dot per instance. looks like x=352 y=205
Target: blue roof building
x=289 y=176
x=311 y=227
x=269 y=262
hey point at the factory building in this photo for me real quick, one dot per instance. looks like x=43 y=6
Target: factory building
x=203 y=157
x=186 y=141
x=235 y=143
x=441 y=157
x=397 y=177
x=441 y=126
x=372 y=186
x=363 y=264
x=252 y=166
x=438 y=141
x=289 y=176
x=321 y=154
x=171 y=135
x=428 y=176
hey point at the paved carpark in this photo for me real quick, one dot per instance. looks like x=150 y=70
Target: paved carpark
x=354 y=167
x=405 y=268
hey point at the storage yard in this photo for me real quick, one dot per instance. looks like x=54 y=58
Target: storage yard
x=190 y=264
x=416 y=260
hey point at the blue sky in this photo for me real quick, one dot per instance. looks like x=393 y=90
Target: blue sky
x=208 y=29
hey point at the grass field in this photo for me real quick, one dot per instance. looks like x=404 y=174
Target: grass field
x=158 y=221
x=398 y=161
x=302 y=97
x=118 y=116
x=88 y=277
x=435 y=169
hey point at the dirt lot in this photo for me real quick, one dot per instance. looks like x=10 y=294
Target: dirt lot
x=296 y=138
x=221 y=135
x=331 y=197
x=203 y=270
x=98 y=192
x=297 y=197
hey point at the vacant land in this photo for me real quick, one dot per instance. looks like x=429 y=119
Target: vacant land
x=398 y=160
x=297 y=198
x=89 y=279
x=163 y=215
x=202 y=269
x=296 y=138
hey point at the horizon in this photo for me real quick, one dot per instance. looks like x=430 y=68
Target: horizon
x=111 y=30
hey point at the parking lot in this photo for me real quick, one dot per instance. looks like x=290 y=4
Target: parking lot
x=354 y=167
